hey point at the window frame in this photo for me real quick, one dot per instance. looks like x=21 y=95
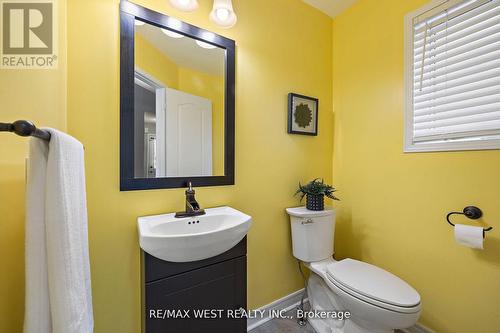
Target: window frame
x=409 y=145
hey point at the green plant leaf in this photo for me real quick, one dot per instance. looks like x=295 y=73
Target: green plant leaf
x=316 y=187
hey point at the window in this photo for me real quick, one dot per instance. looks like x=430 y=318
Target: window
x=452 y=76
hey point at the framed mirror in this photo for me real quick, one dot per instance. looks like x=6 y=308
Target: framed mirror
x=177 y=101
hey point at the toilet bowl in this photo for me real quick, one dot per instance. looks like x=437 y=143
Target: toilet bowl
x=377 y=301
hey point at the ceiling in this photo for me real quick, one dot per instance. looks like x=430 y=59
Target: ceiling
x=185 y=52
x=331 y=8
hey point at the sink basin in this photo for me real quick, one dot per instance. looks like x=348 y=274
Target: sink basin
x=192 y=238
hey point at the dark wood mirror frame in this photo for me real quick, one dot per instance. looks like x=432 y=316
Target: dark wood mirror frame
x=129 y=12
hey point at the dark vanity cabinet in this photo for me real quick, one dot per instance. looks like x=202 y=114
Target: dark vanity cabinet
x=202 y=296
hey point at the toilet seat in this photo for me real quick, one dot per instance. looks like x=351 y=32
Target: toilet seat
x=373 y=285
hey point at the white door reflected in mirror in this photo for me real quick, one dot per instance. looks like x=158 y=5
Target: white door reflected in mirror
x=188 y=135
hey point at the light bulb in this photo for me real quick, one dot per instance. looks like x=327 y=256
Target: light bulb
x=223 y=14
x=172 y=34
x=185 y=5
x=139 y=23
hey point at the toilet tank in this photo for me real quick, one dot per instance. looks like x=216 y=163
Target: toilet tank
x=312 y=233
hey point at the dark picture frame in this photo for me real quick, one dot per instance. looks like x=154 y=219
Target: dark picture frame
x=302 y=114
x=129 y=12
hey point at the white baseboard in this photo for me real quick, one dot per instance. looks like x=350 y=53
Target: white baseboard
x=418 y=328
x=286 y=303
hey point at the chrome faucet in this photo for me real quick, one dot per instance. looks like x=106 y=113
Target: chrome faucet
x=192 y=206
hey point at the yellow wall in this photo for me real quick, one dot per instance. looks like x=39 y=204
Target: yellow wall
x=40 y=96
x=148 y=58
x=286 y=51
x=393 y=204
x=151 y=60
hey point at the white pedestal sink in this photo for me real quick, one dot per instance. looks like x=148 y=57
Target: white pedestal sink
x=192 y=238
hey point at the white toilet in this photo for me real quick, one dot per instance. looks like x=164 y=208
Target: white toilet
x=378 y=301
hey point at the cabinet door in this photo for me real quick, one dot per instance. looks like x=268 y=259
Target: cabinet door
x=218 y=287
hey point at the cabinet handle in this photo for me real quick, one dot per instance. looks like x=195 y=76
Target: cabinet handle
x=308 y=221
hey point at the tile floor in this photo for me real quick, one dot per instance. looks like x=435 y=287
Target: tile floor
x=287 y=326
x=283 y=326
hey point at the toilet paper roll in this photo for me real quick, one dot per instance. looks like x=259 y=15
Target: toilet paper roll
x=469 y=236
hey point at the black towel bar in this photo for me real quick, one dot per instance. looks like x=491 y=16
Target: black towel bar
x=25 y=128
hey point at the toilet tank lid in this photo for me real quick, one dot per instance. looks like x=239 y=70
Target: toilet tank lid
x=304 y=212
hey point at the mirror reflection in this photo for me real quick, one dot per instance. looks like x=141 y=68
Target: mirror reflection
x=178 y=105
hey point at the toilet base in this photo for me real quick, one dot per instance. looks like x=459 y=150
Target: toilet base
x=321 y=298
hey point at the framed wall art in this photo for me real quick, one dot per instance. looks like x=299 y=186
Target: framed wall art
x=302 y=114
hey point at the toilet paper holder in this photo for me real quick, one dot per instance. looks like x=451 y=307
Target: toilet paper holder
x=471 y=212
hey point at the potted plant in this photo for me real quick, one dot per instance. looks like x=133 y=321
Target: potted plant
x=315 y=192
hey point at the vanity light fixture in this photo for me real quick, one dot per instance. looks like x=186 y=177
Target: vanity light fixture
x=172 y=34
x=185 y=5
x=223 y=13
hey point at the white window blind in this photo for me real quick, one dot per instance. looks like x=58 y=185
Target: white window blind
x=454 y=79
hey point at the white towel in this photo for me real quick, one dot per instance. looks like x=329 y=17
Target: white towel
x=58 y=291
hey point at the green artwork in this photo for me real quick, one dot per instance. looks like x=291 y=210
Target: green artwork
x=302 y=115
